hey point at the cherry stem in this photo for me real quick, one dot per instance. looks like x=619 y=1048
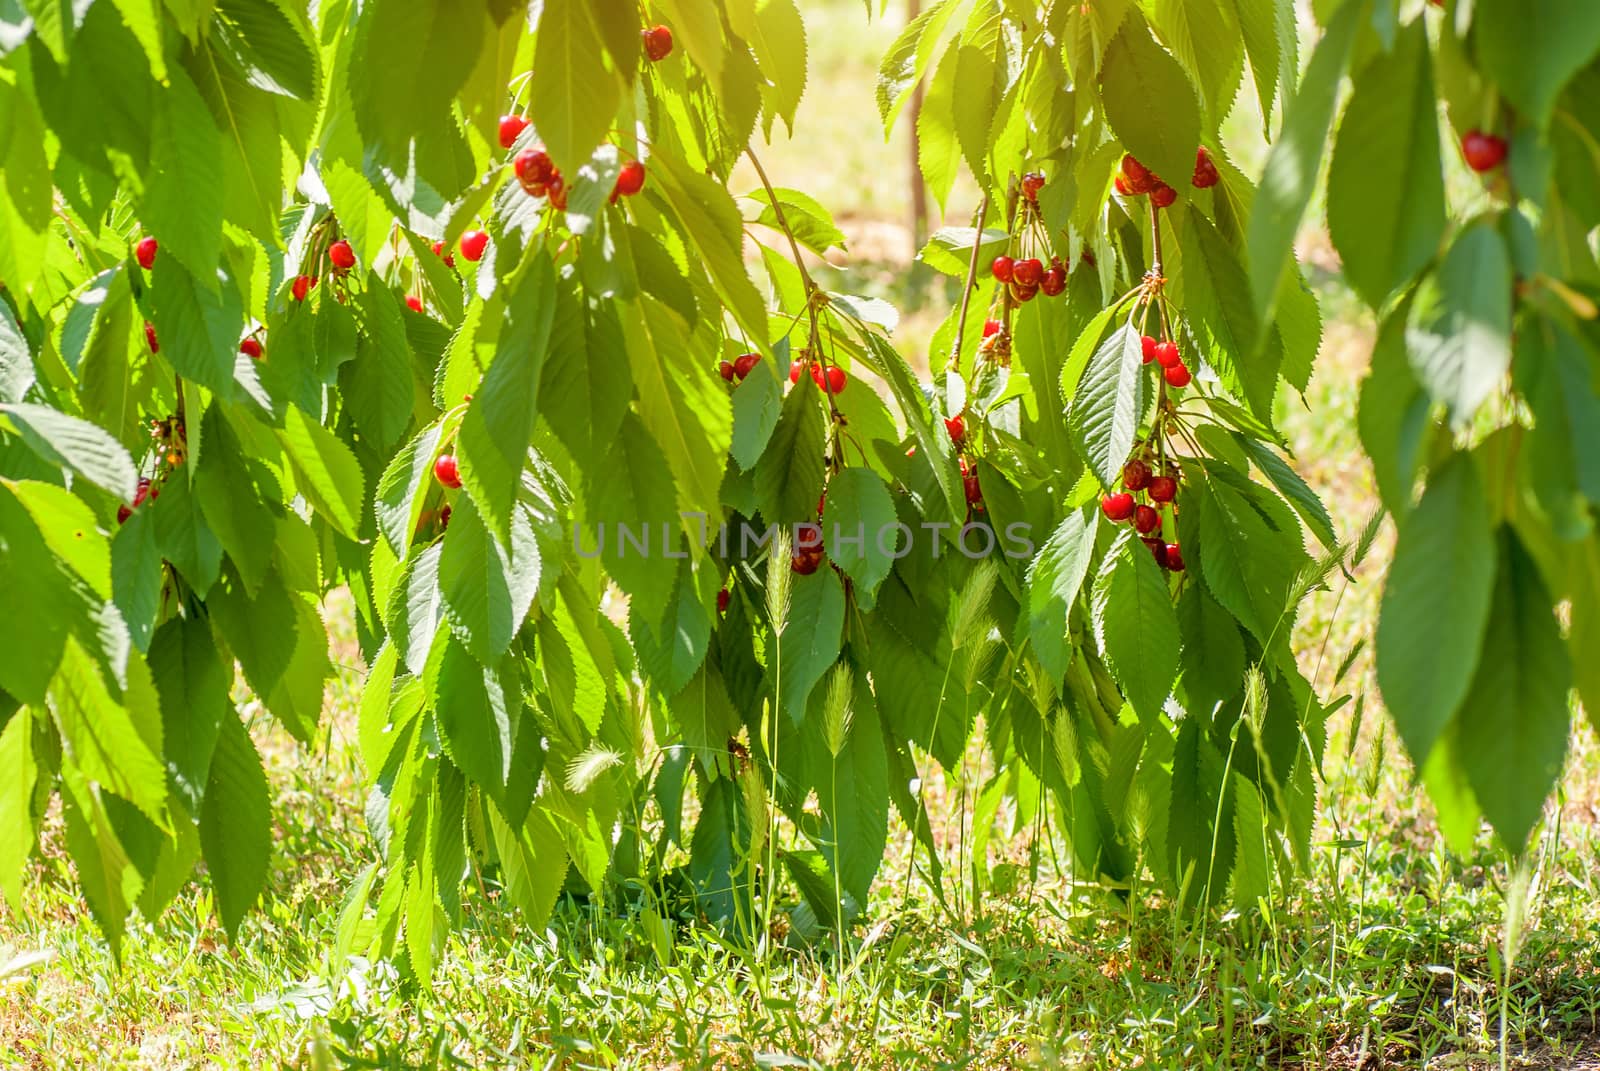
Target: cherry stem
x=970 y=285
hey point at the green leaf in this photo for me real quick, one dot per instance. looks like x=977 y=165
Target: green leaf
x=950 y=249
x=757 y=404
x=1252 y=871
x=281 y=644
x=1136 y=625
x=854 y=797
x=182 y=204
x=632 y=486
x=1054 y=579
x=1295 y=160
x=16 y=363
x=236 y=825
x=789 y=473
x=193 y=683
x=325 y=471
x=115 y=740
x=198 y=320
x=1137 y=71
x=535 y=862
x=416 y=606
x=776 y=34
x=1247 y=562
x=1104 y=412
x=711 y=219
x=136 y=576
x=398 y=503
x=16 y=804
x=29 y=573
x=1512 y=729
x=1205 y=35
x=487 y=589
x=377 y=386
x=269 y=47
x=938 y=150
x=811 y=223
x=1386 y=209
x=1532 y=48
x=904 y=65
x=933 y=442
x=858 y=529
x=1392 y=416
x=809 y=646
x=1222 y=318
x=183 y=536
x=575 y=96
x=1436 y=605
x=1257 y=22
x=477 y=708
x=1289 y=484
x=980 y=82
x=75 y=444
x=671 y=651
x=1458 y=336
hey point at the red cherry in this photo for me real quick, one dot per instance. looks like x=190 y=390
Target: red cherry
x=123 y=513
x=1205 y=172
x=808 y=537
x=447 y=471
x=302 y=286
x=990 y=327
x=1029 y=272
x=817 y=377
x=150 y=337
x=1122 y=186
x=1032 y=183
x=533 y=165
x=1118 y=507
x=557 y=189
x=1163 y=489
x=343 y=257
x=440 y=251
x=805 y=562
x=1148 y=346
x=143 y=491
x=1140 y=179
x=414 y=303
x=822 y=503
x=723 y=598
x=657 y=43
x=1177 y=376
x=836 y=379
x=510 y=127
x=1158 y=550
x=726 y=370
x=1024 y=293
x=1484 y=152
x=145 y=253
x=444 y=517
x=473 y=244
x=744 y=363
x=1167 y=354
x=1174 y=558
x=1003 y=268
x=630 y=180
x=957 y=427
x=1146 y=519
x=251 y=347
x=795 y=370
x=1054 y=282
x=974 y=493
x=1136 y=475
x=1163 y=196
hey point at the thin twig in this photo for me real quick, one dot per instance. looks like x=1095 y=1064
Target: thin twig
x=970 y=285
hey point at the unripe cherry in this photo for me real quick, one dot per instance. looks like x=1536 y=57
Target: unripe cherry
x=473 y=244
x=145 y=253
x=447 y=471
x=1003 y=268
x=1163 y=489
x=1117 y=507
x=511 y=127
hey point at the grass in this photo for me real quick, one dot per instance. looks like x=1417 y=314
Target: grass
x=1386 y=953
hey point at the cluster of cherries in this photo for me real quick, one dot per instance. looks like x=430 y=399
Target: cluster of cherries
x=739 y=367
x=170 y=439
x=956 y=428
x=1136 y=180
x=1165 y=353
x=1137 y=476
x=832 y=379
x=1026 y=276
x=145 y=253
x=144 y=492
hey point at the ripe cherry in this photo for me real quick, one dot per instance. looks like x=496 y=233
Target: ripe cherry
x=1123 y=188
x=1174 y=558
x=1158 y=550
x=145 y=253
x=1024 y=293
x=447 y=471
x=990 y=327
x=533 y=165
x=302 y=286
x=343 y=257
x=796 y=369
x=808 y=537
x=1147 y=345
x=974 y=493
x=1054 y=282
x=1163 y=489
x=1167 y=354
x=557 y=189
x=1140 y=179
x=836 y=379
x=805 y=562
x=1136 y=475
x=473 y=244
x=511 y=126
x=725 y=370
x=657 y=43
x=444 y=517
x=1146 y=519
x=414 y=303
x=1163 y=196
x=1484 y=152
x=1028 y=272
x=440 y=251
x=744 y=363
x=1032 y=183
x=251 y=348
x=630 y=180
x=1118 y=507
x=723 y=598
x=150 y=337
x=1205 y=171
x=957 y=427
x=1003 y=268
x=1177 y=376
x=123 y=513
